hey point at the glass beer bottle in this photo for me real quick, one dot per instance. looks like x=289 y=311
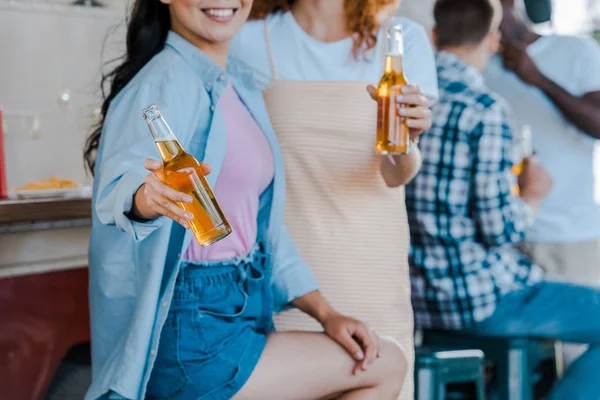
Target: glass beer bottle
x=180 y=172
x=392 y=131
x=523 y=150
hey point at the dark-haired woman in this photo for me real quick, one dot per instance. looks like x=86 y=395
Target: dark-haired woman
x=171 y=320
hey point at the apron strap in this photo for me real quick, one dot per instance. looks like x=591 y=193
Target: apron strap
x=270 y=50
x=381 y=46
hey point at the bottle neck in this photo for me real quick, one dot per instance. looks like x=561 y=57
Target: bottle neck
x=393 y=64
x=163 y=136
x=158 y=126
x=394 y=49
x=395 y=44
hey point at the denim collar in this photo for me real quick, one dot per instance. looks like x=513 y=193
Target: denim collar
x=207 y=69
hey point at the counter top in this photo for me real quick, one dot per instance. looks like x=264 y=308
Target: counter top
x=44 y=210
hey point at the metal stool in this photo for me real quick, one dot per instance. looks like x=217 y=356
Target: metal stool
x=516 y=359
x=435 y=368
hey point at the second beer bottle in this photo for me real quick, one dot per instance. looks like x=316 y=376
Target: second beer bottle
x=180 y=172
x=392 y=131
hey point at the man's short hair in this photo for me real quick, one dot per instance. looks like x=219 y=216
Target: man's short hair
x=462 y=22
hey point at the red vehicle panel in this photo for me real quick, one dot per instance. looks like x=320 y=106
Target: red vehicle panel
x=42 y=317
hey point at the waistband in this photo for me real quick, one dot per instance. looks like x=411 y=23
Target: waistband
x=255 y=258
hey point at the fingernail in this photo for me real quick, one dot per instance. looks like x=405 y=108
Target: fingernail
x=400 y=97
x=186 y=225
x=402 y=111
x=359 y=355
x=189 y=216
x=188 y=199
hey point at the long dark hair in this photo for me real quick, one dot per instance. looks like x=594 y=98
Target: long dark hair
x=147 y=29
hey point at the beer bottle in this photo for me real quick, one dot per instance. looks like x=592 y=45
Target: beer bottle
x=523 y=150
x=392 y=131
x=180 y=172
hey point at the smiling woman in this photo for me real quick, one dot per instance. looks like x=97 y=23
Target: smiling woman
x=171 y=319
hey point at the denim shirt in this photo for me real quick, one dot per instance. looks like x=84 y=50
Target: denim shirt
x=133 y=264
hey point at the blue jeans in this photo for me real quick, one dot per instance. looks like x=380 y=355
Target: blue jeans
x=561 y=311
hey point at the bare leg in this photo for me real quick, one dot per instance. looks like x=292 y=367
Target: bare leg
x=308 y=366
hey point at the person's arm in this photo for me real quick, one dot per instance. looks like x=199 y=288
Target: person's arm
x=292 y=278
x=582 y=111
x=120 y=171
x=400 y=170
x=294 y=285
x=501 y=218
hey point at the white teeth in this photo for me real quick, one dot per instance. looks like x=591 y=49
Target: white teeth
x=221 y=13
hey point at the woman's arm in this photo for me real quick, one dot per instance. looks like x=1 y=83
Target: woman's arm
x=400 y=170
x=294 y=285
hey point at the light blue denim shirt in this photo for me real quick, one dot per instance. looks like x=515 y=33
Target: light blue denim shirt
x=133 y=265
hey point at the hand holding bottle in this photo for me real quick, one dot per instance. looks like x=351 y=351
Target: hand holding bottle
x=416 y=108
x=535 y=182
x=177 y=187
x=154 y=198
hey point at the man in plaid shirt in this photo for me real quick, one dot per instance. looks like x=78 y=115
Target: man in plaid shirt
x=466 y=271
x=463 y=218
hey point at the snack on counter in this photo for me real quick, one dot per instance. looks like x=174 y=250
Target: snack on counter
x=49 y=184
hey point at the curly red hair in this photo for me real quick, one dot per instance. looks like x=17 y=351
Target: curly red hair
x=363 y=18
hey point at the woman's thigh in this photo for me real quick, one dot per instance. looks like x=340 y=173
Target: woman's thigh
x=307 y=365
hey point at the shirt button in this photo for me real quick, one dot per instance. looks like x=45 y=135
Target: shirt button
x=212 y=108
x=178 y=255
x=209 y=84
x=153 y=352
x=222 y=77
x=165 y=304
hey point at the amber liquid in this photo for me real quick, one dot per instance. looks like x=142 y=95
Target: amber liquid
x=393 y=134
x=517 y=169
x=180 y=172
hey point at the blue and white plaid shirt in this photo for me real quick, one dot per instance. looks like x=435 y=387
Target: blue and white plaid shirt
x=464 y=221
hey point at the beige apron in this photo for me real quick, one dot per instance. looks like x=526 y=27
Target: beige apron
x=348 y=225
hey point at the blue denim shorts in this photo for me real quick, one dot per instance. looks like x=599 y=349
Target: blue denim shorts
x=215 y=331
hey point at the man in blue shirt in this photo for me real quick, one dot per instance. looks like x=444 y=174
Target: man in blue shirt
x=466 y=271
x=552 y=83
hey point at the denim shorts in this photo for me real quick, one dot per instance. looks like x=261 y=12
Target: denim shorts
x=215 y=331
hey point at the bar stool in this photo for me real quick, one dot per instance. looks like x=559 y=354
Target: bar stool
x=436 y=367
x=516 y=359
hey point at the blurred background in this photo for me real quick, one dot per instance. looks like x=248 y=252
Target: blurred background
x=50 y=58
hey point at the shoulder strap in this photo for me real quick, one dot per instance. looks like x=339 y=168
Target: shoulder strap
x=270 y=50
x=381 y=46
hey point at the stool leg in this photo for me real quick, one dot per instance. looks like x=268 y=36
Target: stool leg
x=559 y=359
x=441 y=391
x=480 y=387
x=514 y=375
x=426 y=385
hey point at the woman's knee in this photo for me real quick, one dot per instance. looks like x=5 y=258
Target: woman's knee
x=395 y=363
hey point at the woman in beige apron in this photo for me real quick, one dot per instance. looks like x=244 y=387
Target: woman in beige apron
x=348 y=224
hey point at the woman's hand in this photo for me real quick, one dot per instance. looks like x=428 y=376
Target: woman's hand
x=416 y=111
x=154 y=198
x=356 y=337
